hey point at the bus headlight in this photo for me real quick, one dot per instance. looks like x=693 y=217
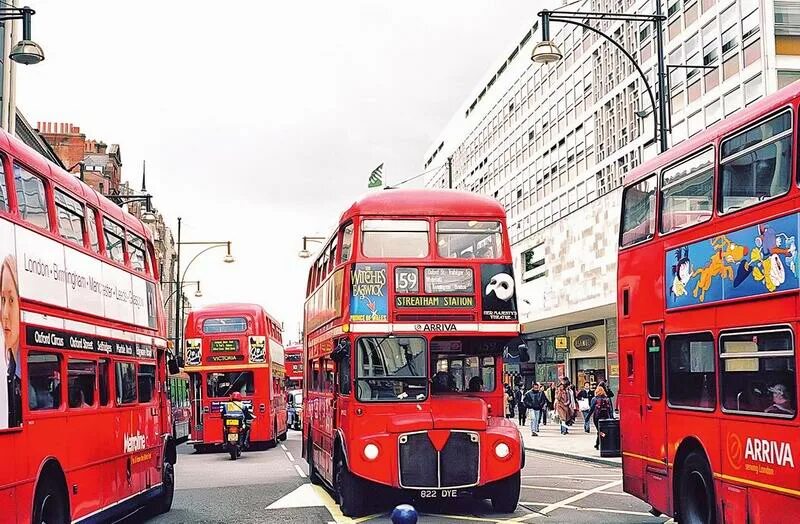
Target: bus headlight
x=502 y=450
x=371 y=451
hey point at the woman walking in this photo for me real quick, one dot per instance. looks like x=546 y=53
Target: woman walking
x=563 y=407
x=600 y=409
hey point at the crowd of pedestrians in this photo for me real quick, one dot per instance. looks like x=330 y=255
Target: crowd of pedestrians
x=560 y=402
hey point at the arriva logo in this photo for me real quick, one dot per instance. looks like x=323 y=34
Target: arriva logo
x=769 y=452
x=132 y=443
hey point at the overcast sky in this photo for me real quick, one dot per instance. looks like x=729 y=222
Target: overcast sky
x=261 y=121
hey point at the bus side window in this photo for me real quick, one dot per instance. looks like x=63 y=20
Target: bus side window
x=654 y=369
x=315 y=375
x=327 y=369
x=638 y=212
x=691 y=373
x=91 y=227
x=31 y=198
x=81 y=379
x=343 y=368
x=146 y=380
x=629 y=366
x=44 y=382
x=3 y=190
x=103 y=381
x=125 y=375
x=347 y=242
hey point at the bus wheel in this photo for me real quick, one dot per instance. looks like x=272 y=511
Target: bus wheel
x=50 y=504
x=273 y=442
x=349 y=490
x=283 y=435
x=505 y=494
x=696 y=491
x=164 y=502
x=312 y=473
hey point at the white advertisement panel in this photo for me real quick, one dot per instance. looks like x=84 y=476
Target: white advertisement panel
x=85 y=272
x=40 y=263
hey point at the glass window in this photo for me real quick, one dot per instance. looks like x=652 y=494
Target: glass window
x=316 y=378
x=3 y=190
x=146 y=380
x=686 y=193
x=756 y=164
x=70 y=217
x=44 y=379
x=391 y=369
x=759 y=373
x=787 y=77
x=750 y=25
x=469 y=239
x=470 y=374
x=114 y=236
x=222 y=385
x=395 y=238
x=125 y=382
x=654 y=368
x=136 y=252
x=347 y=242
x=690 y=373
x=31 y=199
x=225 y=325
x=638 y=212
x=714 y=111
x=103 y=382
x=81 y=378
x=344 y=376
x=91 y=226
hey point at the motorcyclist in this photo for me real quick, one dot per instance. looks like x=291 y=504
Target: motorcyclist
x=234 y=406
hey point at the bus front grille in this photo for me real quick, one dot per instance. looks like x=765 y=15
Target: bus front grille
x=456 y=466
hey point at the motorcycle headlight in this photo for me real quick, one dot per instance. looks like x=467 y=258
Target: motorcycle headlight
x=371 y=451
x=502 y=450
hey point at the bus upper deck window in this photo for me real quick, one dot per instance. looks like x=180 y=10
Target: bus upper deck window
x=395 y=238
x=347 y=242
x=638 y=212
x=687 y=191
x=114 y=236
x=31 y=199
x=91 y=228
x=136 y=252
x=224 y=325
x=3 y=190
x=70 y=217
x=756 y=164
x=469 y=239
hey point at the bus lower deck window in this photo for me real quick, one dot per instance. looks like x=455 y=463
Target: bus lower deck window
x=81 y=378
x=44 y=382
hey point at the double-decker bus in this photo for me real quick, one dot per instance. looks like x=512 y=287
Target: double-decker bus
x=708 y=321
x=84 y=417
x=234 y=348
x=294 y=366
x=178 y=391
x=410 y=306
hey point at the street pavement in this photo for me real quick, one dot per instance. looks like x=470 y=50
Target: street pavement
x=272 y=486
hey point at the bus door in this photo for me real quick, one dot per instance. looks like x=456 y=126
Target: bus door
x=654 y=419
x=341 y=396
x=196 y=388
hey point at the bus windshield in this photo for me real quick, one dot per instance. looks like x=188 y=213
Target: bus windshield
x=391 y=369
x=465 y=365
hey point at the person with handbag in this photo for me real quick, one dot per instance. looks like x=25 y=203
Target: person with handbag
x=585 y=397
x=563 y=406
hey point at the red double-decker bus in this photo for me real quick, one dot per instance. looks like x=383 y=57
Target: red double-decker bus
x=410 y=306
x=84 y=417
x=294 y=366
x=708 y=320
x=234 y=348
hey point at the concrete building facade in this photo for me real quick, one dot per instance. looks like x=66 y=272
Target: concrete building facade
x=553 y=142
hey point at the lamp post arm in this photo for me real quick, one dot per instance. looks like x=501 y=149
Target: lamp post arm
x=197 y=255
x=556 y=17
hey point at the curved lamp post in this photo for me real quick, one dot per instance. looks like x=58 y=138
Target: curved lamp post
x=305 y=253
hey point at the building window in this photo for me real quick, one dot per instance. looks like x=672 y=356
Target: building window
x=758 y=374
x=787 y=77
x=752 y=53
x=31 y=199
x=687 y=192
x=691 y=381
x=533 y=263
x=756 y=164
x=70 y=217
x=714 y=112
x=753 y=89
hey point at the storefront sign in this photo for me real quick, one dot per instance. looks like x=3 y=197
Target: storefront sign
x=584 y=342
x=562 y=343
x=224 y=345
x=449 y=280
x=434 y=301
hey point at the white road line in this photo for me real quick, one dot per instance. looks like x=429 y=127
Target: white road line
x=563 y=503
x=550 y=488
x=300 y=471
x=284 y=448
x=602 y=510
x=576 y=477
x=291 y=457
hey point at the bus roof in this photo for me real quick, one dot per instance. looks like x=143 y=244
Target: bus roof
x=231 y=308
x=728 y=125
x=424 y=202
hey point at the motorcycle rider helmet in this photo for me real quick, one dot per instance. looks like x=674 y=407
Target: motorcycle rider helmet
x=236 y=396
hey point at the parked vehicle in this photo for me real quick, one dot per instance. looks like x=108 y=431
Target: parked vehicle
x=294 y=409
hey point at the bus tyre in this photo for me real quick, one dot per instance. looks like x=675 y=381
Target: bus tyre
x=696 y=502
x=350 y=490
x=50 y=503
x=505 y=494
x=234 y=453
x=164 y=502
x=283 y=435
x=312 y=473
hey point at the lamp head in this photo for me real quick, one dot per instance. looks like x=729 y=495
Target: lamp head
x=148 y=217
x=304 y=253
x=27 y=52
x=228 y=259
x=198 y=293
x=546 y=52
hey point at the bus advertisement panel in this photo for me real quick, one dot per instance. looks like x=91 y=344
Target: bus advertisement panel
x=708 y=319
x=235 y=348
x=403 y=386
x=84 y=352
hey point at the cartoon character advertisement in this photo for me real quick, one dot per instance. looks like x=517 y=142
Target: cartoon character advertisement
x=368 y=299
x=751 y=261
x=499 y=299
x=257 y=349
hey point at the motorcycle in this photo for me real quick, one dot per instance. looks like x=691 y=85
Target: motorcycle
x=234 y=433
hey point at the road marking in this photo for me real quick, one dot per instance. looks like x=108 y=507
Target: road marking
x=602 y=510
x=576 y=477
x=558 y=505
x=460 y=517
x=548 y=488
x=300 y=471
x=304 y=496
x=291 y=457
x=284 y=448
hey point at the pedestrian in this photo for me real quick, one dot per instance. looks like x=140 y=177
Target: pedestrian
x=550 y=395
x=600 y=409
x=522 y=412
x=563 y=407
x=573 y=402
x=584 y=398
x=609 y=392
x=536 y=402
x=509 y=402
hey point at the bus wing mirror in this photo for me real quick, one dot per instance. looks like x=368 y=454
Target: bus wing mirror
x=341 y=351
x=172 y=366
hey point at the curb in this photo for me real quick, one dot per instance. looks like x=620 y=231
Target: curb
x=596 y=460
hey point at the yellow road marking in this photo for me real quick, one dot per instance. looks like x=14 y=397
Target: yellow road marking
x=336 y=513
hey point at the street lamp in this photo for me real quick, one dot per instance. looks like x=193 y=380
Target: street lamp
x=546 y=52
x=198 y=293
x=305 y=253
x=26 y=52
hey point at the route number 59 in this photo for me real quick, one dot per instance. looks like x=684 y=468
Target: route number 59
x=406 y=280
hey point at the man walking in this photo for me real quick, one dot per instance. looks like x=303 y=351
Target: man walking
x=523 y=412
x=536 y=402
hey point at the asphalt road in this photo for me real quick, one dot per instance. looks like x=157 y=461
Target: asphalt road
x=271 y=486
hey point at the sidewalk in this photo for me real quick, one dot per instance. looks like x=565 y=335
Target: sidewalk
x=577 y=444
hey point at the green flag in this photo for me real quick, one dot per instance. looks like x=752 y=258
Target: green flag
x=376 y=177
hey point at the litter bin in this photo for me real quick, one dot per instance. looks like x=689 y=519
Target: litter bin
x=609 y=437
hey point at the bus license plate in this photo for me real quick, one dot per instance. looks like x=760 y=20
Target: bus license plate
x=233 y=437
x=438 y=493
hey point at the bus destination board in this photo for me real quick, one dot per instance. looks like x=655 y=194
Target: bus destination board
x=454 y=280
